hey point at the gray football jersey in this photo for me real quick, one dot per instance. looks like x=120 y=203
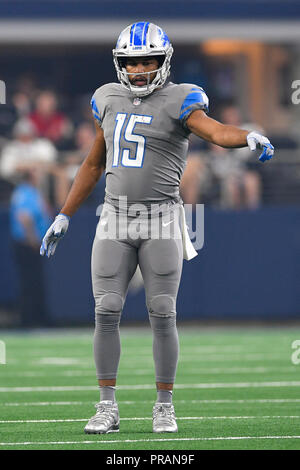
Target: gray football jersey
x=146 y=139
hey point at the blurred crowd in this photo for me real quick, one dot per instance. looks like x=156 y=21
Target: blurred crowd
x=41 y=148
x=38 y=136
x=220 y=177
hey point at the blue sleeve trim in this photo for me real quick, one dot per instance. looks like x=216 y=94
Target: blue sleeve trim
x=195 y=97
x=95 y=110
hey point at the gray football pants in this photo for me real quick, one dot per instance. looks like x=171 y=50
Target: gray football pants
x=114 y=261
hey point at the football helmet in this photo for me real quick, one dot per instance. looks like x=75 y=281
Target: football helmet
x=143 y=39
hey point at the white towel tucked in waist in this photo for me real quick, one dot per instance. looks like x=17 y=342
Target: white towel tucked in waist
x=189 y=251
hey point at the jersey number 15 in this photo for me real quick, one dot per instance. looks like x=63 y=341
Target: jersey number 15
x=127 y=159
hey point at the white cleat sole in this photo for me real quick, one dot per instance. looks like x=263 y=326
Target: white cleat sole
x=101 y=432
x=160 y=431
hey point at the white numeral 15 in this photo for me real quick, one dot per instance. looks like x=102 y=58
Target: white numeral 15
x=136 y=160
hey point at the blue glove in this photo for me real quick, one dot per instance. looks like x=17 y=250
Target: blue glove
x=54 y=233
x=258 y=141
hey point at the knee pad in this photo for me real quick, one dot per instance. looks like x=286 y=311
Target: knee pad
x=162 y=305
x=109 y=303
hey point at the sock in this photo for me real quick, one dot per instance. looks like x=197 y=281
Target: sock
x=164 y=396
x=107 y=392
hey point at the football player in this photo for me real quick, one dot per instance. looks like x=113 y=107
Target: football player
x=142 y=128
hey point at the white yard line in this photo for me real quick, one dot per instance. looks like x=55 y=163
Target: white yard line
x=187 y=418
x=139 y=402
x=99 y=442
x=74 y=388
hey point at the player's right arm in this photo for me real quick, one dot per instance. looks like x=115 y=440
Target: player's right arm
x=88 y=175
x=86 y=179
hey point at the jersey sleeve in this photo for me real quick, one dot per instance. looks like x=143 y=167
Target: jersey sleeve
x=194 y=97
x=99 y=102
x=95 y=109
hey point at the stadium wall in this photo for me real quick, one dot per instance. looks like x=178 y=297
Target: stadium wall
x=248 y=268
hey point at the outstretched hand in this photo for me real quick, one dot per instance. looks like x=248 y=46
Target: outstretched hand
x=258 y=141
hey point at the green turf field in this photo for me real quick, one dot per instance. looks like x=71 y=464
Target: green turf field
x=236 y=388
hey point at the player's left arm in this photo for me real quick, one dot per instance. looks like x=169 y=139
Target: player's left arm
x=228 y=136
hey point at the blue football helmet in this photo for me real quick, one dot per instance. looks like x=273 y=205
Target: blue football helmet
x=143 y=39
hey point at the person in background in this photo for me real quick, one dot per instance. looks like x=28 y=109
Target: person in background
x=240 y=181
x=25 y=151
x=22 y=104
x=223 y=177
x=48 y=121
x=190 y=186
x=29 y=218
x=84 y=139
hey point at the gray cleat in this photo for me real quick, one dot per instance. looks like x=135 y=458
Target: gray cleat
x=164 y=419
x=106 y=419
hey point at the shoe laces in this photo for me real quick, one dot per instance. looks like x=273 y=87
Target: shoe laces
x=166 y=412
x=104 y=411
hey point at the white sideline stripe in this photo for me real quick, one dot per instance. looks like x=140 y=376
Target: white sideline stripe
x=76 y=420
x=49 y=360
x=177 y=402
x=231 y=438
x=185 y=349
x=147 y=359
x=152 y=386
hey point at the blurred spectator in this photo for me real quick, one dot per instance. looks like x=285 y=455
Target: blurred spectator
x=238 y=169
x=25 y=150
x=81 y=113
x=22 y=104
x=227 y=178
x=192 y=178
x=8 y=116
x=48 y=121
x=235 y=186
x=84 y=139
x=27 y=84
x=30 y=219
x=230 y=178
